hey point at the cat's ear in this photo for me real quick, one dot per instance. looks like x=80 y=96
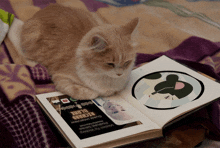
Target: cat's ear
x=131 y=26
x=98 y=43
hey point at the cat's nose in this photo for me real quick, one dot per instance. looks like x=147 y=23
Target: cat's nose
x=119 y=74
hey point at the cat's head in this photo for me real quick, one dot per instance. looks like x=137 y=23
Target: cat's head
x=109 y=49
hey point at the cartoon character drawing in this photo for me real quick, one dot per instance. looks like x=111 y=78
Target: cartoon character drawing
x=172 y=88
x=167 y=89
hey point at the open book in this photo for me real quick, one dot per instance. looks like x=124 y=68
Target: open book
x=158 y=94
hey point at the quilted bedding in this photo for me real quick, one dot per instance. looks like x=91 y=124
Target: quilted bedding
x=185 y=30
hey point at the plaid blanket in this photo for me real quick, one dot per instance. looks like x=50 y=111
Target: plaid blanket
x=22 y=123
x=20 y=117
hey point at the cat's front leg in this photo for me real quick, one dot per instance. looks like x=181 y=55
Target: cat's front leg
x=76 y=91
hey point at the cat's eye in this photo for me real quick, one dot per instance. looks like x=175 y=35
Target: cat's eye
x=111 y=64
x=127 y=63
x=95 y=40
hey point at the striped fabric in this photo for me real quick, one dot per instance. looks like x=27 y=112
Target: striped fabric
x=6 y=5
x=5 y=21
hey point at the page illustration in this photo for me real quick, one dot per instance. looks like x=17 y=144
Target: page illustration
x=167 y=89
x=117 y=110
x=86 y=119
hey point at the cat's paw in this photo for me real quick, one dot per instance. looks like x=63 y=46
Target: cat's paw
x=80 y=93
x=86 y=93
x=109 y=93
x=74 y=90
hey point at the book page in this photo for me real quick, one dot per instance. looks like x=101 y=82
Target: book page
x=164 y=89
x=91 y=122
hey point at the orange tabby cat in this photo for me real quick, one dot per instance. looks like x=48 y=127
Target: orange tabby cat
x=86 y=58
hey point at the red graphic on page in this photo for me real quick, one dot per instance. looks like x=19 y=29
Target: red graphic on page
x=65 y=100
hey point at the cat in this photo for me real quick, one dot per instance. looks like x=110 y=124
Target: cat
x=86 y=58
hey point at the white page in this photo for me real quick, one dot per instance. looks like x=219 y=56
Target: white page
x=155 y=104
x=135 y=115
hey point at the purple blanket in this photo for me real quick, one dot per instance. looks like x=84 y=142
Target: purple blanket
x=23 y=123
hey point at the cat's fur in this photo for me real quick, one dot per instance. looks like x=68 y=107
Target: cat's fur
x=85 y=58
